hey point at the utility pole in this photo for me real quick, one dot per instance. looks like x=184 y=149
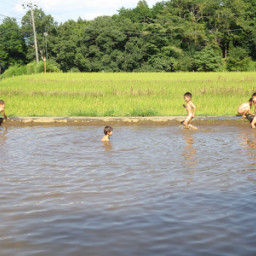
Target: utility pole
x=31 y=6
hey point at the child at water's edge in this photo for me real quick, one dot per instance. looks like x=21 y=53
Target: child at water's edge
x=245 y=108
x=2 y=106
x=108 y=131
x=191 y=110
x=253 y=122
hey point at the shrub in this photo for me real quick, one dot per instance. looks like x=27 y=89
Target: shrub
x=52 y=66
x=238 y=60
x=74 y=70
x=31 y=68
x=208 y=59
x=15 y=71
x=142 y=112
x=184 y=64
x=162 y=63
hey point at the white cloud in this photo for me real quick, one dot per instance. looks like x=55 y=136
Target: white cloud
x=85 y=4
x=63 y=10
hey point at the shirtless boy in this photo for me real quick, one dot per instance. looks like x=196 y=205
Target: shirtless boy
x=253 y=122
x=245 y=108
x=108 y=131
x=191 y=110
x=2 y=106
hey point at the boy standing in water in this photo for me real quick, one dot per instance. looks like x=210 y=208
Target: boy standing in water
x=245 y=108
x=191 y=110
x=108 y=131
x=2 y=106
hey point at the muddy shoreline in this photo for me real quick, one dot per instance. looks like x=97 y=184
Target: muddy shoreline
x=122 y=121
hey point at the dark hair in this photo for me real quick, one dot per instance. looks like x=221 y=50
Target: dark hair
x=188 y=94
x=107 y=129
x=254 y=94
x=2 y=102
x=250 y=100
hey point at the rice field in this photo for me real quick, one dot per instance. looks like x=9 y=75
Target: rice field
x=125 y=94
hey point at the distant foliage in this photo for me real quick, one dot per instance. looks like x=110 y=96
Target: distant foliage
x=238 y=60
x=31 y=68
x=15 y=71
x=74 y=70
x=174 y=35
x=208 y=59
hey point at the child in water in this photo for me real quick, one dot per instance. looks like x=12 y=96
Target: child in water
x=191 y=110
x=2 y=106
x=108 y=131
x=245 y=108
x=253 y=121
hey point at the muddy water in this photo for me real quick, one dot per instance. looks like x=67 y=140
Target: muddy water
x=150 y=191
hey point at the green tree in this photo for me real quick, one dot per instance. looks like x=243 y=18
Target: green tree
x=106 y=38
x=12 y=47
x=208 y=59
x=172 y=35
x=142 y=13
x=45 y=31
x=238 y=60
x=69 y=49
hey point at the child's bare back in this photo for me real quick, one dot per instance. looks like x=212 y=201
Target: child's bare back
x=245 y=108
x=2 y=107
x=191 y=110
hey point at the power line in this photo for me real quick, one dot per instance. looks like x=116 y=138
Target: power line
x=11 y=17
x=4 y=15
x=12 y=13
x=6 y=2
x=145 y=33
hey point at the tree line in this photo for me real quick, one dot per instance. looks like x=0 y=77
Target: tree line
x=175 y=35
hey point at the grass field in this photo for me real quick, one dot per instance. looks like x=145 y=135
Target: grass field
x=125 y=94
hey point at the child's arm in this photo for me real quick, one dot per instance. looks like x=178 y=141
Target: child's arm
x=5 y=117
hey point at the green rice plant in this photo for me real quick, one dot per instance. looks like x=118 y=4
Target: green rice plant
x=89 y=113
x=110 y=112
x=122 y=94
x=142 y=112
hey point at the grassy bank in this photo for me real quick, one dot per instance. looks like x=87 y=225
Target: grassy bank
x=125 y=94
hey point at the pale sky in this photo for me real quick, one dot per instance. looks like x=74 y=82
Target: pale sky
x=63 y=10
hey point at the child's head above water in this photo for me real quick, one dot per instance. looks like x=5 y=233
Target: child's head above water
x=108 y=130
x=187 y=96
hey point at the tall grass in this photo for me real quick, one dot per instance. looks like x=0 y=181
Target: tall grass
x=125 y=94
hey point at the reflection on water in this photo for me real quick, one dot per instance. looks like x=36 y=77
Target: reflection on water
x=3 y=132
x=190 y=151
x=3 y=137
x=249 y=142
x=189 y=155
x=165 y=191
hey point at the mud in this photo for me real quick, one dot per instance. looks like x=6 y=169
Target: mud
x=122 y=121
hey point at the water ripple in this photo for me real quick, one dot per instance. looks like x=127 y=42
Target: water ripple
x=150 y=191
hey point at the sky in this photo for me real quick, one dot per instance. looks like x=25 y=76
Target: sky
x=63 y=10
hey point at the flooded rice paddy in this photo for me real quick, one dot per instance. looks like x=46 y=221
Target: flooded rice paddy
x=150 y=191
